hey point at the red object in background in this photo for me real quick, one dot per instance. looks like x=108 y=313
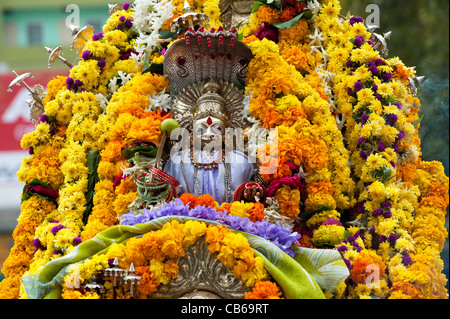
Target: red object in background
x=14 y=110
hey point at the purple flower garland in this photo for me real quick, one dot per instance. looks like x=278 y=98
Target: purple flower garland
x=276 y=234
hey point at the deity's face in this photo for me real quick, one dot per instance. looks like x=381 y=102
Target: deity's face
x=208 y=133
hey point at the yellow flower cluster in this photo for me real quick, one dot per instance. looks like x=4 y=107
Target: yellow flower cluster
x=424 y=277
x=103 y=58
x=212 y=9
x=33 y=212
x=44 y=165
x=252 y=211
x=126 y=118
x=373 y=95
x=307 y=132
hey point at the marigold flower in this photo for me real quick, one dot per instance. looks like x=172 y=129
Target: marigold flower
x=268 y=14
x=264 y=290
x=288 y=13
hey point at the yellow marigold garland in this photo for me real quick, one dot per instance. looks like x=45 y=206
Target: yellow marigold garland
x=400 y=222
x=155 y=256
x=391 y=207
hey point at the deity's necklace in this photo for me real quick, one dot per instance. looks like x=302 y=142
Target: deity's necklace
x=209 y=166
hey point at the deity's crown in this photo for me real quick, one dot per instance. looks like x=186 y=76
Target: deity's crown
x=203 y=70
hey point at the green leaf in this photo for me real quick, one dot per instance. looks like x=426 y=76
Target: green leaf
x=154 y=68
x=290 y=23
x=390 y=99
x=383 y=174
x=417 y=122
x=146 y=63
x=167 y=34
x=131 y=151
x=240 y=83
x=277 y=4
x=347 y=234
x=93 y=159
x=368 y=84
x=157 y=68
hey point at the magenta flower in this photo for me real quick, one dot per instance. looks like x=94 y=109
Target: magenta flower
x=57 y=228
x=354 y=20
x=361 y=140
x=128 y=23
x=101 y=63
x=86 y=55
x=331 y=221
x=373 y=67
x=392 y=119
x=380 y=61
x=387 y=77
x=359 y=41
x=395 y=147
x=377 y=212
x=386 y=204
x=351 y=93
x=97 y=36
x=42 y=190
x=363 y=155
x=126 y=5
x=37 y=244
x=267 y=31
x=392 y=239
x=348 y=263
x=76 y=241
x=406 y=259
x=117 y=180
x=381 y=146
x=364 y=118
x=358 y=86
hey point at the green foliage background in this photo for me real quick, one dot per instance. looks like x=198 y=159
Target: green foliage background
x=420 y=37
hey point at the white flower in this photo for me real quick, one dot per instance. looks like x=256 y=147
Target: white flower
x=246 y=109
x=124 y=77
x=274 y=217
x=102 y=100
x=112 y=85
x=314 y=6
x=139 y=55
x=316 y=38
x=149 y=16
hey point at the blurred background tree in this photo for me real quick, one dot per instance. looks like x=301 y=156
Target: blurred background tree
x=420 y=37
